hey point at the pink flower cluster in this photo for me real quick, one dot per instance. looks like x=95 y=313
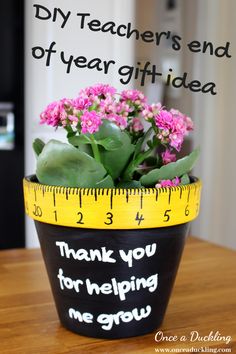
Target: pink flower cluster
x=168 y=183
x=86 y=112
x=93 y=104
x=98 y=90
x=56 y=113
x=90 y=122
x=168 y=157
x=172 y=126
x=136 y=125
x=134 y=96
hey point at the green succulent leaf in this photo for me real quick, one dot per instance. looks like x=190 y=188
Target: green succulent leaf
x=77 y=140
x=129 y=184
x=106 y=182
x=114 y=160
x=185 y=179
x=70 y=131
x=70 y=135
x=38 y=146
x=63 y=164
x=171 y=170
x=110 y=143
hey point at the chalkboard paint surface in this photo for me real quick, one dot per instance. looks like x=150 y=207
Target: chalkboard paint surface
x=111 y=283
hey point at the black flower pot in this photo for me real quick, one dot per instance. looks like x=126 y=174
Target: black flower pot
x=109 y=283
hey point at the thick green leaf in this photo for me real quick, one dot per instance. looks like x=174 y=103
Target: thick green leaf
x=70 y=134
x=64 y=165
x=38 y=146
x=107 y=182
x=171 y=170
x=129 y=184
x=185 y=179
x=86 y=148
x=114 y=161
x=79 y=139
x=110 y=143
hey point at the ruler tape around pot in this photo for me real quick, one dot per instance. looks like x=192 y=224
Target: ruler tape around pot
x=112 y=208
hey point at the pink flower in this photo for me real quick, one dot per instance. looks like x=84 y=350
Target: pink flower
x=167 y=157
x=176 y=140
x=107 y=105
x=99 y=90
x=164 y=120
x=150 y=111
x=116 y=112
x=73 y=119
x=187 y=121
x=168 y=183
x=119 y=120
x=123 y=108
x=135 y=96
x=136 y=125
x=90 y=122
x=80 y=103
x=173 y=126
x=55 y=114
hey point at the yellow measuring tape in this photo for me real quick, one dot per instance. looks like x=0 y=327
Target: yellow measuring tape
x=112 y=208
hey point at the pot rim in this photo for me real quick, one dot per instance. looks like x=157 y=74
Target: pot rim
x=112 y=208
x=33 y=179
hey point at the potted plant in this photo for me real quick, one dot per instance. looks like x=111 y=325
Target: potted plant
x=112 y=208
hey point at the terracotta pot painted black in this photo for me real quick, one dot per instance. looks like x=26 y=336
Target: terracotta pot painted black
x=106 y=293
x=111 y=255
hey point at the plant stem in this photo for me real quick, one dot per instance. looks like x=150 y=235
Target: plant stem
x=69 y=130
x=95 y=149
x=135 y=163
x=148 y=132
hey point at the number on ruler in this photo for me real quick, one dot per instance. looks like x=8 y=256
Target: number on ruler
x=80 y=215
x=187 y=210
x=109 y=218
x=166 y=215
x=139 y=218
x=37 y=211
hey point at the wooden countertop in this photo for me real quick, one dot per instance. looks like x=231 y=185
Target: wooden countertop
x=203 y=300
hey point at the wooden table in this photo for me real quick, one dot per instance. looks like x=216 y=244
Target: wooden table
x=203 y=300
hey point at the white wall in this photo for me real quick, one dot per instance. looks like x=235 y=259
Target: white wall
x=216 y=125
x=46 y=84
